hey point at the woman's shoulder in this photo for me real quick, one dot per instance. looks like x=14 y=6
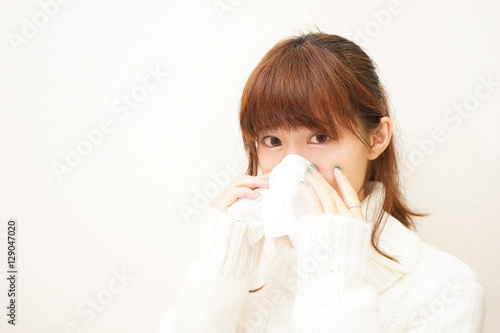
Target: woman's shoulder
x=441 y=263
x=440 y=292
x=417 y=256
x=420 y=267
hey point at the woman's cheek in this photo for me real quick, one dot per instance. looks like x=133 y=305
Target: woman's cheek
x=327 y=173
x=266 y=163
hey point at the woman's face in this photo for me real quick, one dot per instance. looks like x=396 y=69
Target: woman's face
x=348 y=153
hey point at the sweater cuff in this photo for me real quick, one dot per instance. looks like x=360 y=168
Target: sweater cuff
x=333 y=245
x=225 y=245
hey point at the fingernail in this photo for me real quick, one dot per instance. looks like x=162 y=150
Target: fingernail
x=301 y=183
x=337 y=170
x=260 y=194
x=266 y=179
x=311 y=169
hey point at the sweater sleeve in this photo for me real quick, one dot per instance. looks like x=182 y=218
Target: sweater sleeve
x=217 y=285
x=331 y=293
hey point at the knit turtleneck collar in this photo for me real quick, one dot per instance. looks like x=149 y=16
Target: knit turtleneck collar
x=395 y=240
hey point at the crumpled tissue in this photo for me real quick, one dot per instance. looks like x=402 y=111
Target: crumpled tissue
x=276 y=212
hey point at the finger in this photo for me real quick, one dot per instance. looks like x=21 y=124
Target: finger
x=240 y=192
x=250 y=181
x=226 y=199
x=310 y=198
x=323 y=190
x=339 y=203
x=259 y=184
x=349 y=194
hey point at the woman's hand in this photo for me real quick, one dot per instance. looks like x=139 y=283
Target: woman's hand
x=323 y=199
x=241 y=186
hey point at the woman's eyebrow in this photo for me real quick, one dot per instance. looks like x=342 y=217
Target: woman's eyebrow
x=268 y=132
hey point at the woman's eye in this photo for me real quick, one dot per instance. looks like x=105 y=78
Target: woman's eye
x=321 y=138
x=271 y=141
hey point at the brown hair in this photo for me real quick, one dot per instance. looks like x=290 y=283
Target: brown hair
x=328 y=84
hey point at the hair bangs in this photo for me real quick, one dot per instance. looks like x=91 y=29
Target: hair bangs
x=293 y=87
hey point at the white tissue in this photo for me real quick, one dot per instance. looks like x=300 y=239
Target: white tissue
x=277 y=211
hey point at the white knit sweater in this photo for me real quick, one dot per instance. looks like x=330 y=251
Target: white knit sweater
x=334 y=281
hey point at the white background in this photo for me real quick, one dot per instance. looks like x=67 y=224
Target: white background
x=118 y=211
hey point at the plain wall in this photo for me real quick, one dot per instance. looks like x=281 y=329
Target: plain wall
x=109 y=227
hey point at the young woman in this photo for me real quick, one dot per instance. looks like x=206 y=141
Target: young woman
x=359 y=266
